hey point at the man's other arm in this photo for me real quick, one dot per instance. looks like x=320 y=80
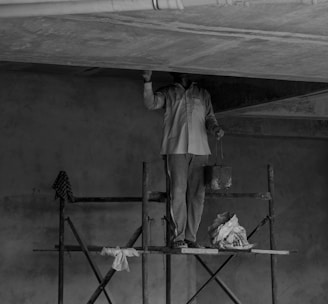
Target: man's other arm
x=210 y=120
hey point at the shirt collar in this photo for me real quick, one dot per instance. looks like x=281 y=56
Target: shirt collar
x=177 y=84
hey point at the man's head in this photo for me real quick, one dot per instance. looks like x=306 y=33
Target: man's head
x=182 y=78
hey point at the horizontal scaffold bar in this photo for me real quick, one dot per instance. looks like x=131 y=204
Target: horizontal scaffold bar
x=167 y=250
x=160 y=197
x=261 y=195
x=153 y=197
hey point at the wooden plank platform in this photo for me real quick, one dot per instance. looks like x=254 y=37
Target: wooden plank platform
x=230 y=251
x=167 y=250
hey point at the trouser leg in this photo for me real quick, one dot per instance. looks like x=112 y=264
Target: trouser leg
x=177 y=170
x=195 y=195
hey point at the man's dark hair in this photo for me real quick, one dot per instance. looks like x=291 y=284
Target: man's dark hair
x=177 y=75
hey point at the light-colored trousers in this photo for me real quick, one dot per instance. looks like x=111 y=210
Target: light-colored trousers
x=187 y=193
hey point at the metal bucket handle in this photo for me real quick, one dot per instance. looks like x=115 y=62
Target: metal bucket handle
x=216 y=151
x=218 y=177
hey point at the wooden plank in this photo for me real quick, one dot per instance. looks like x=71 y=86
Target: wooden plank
x=166 y=250
x=199 y=250
x=214 y=251
x=269 y=251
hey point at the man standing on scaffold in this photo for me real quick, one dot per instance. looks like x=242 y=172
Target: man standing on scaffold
x=188 y=115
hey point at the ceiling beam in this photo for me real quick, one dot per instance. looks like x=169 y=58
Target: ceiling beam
x=275 y=127
x=264 y=41
x=308 y=106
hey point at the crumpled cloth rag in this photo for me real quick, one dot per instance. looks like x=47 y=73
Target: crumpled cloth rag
x=226 y=233
x=120 y=262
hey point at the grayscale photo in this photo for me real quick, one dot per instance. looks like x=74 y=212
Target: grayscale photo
x=164 y=151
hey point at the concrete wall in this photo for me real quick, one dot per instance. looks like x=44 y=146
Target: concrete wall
x=99 y=132
x=301 y=196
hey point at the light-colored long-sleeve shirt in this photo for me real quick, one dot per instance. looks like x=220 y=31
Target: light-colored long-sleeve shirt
x=188 y=115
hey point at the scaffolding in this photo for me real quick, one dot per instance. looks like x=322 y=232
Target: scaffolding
x=65 y=195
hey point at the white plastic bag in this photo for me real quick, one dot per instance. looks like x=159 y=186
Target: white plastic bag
x=226 y=233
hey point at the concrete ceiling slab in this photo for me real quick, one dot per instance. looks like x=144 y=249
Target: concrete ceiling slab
x=262 y=40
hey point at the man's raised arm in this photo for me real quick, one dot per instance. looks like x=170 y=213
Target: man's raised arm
x=152 y=101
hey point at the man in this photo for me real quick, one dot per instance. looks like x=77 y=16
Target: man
x=188 y=114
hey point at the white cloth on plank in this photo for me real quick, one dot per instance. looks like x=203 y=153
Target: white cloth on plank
x=120 y=262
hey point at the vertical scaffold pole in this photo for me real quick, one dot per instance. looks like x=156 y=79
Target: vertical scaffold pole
x=61 y=251
x=273 y=258
x=145 y=231
x=168 y=236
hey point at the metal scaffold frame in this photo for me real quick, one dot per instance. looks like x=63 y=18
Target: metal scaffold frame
x=65 y=195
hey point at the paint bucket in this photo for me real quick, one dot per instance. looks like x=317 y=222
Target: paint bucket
x=218 y=177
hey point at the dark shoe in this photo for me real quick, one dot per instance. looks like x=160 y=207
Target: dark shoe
x=179 y=244
x=192 y=244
